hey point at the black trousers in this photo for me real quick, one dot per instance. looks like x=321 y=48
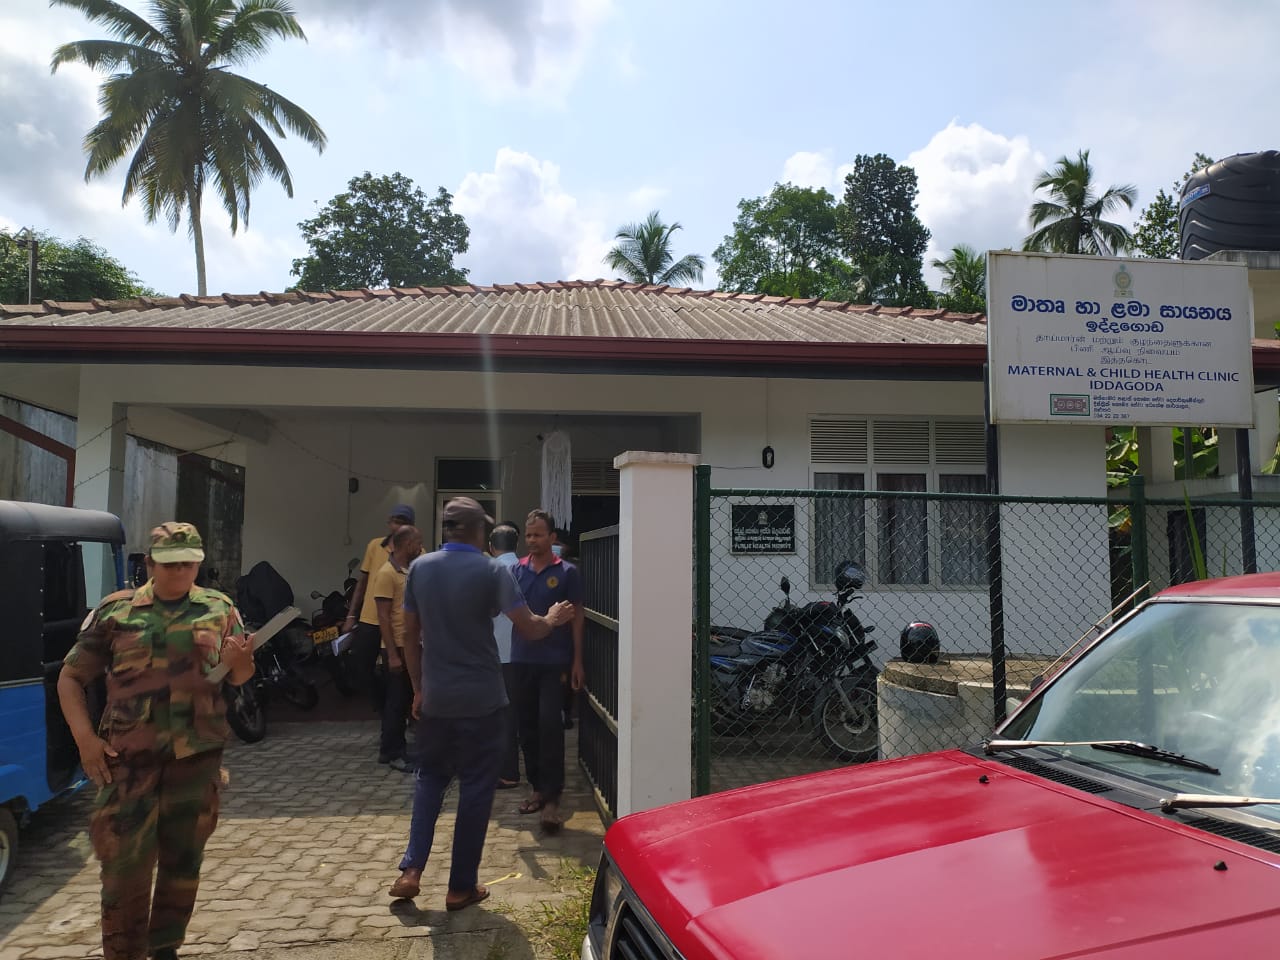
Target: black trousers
x=539 y=700
x=510 y=769
x=395 y=712
x=366 y=646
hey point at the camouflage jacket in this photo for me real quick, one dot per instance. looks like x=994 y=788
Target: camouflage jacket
x=155 y=660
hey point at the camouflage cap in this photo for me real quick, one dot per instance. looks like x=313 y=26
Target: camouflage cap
x=174 y=542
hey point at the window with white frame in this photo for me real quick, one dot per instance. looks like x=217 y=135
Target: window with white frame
x=899 y=540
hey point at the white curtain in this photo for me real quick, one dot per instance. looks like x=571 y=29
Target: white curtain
x=557 y=478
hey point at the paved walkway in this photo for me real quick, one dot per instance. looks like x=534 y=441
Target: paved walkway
x=310 y=834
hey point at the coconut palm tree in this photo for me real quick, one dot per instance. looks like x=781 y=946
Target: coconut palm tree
x=643 y=254
x=1071 y=220
x=964 y=279
x=172 y=99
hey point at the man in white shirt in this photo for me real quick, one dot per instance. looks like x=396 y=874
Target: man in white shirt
x=502 y=547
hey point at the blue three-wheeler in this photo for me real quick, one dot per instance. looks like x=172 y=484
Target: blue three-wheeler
x=42 y=606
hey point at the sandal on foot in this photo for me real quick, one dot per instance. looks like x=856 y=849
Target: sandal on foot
x=481 y=892
x=507 y=784
x=532 y=805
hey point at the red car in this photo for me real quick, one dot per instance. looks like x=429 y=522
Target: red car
x=1126 y=810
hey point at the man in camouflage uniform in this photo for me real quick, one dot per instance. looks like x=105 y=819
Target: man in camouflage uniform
x=157 y=754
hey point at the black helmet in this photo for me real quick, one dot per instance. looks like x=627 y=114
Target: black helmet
x=920 y=643
x=849 y=576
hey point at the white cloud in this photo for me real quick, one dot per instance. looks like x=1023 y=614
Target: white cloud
x=975 y=188
x=29 y=135
x=525 y=226
x=816 y=170
x=505 y=47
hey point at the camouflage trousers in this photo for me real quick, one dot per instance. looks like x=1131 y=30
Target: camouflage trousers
x=153 y=818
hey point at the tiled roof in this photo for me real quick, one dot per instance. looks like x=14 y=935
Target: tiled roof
x=579 y=308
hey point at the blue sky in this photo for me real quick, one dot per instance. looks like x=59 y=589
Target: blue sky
x=555 y=121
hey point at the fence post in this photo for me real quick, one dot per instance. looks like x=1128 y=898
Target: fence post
x=1138 y=532
x=1244 y=471
x=655 y=600
x=702 y=646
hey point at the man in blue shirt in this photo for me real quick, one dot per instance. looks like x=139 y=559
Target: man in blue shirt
x=543 y=668
x=451 y=597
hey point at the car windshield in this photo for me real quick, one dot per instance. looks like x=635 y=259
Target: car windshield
x=1198 y=678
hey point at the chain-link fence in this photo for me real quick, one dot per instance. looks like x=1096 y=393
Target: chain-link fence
x=805 y=653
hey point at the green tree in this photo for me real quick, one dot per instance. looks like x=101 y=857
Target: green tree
x=383 y=232
x=1156 y=232
x=964 y=280
x=172 y=99
x=880 y=233
x=80 y=270
x=643 y=254
x=1071 y=218
x=784 y=244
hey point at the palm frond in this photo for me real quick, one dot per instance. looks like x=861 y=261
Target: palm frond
x=255 y=24
x=688 y=269
x=106 y=55
x=121 y=22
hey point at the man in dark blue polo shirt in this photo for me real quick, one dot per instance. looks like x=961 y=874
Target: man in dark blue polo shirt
x=451 y=597
x=543 y=668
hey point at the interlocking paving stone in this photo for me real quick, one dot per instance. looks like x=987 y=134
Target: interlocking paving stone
x=310 y=832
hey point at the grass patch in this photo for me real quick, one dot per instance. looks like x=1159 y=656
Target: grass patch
x=556 y=928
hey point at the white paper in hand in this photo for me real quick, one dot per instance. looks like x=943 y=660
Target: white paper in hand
x=261 y=636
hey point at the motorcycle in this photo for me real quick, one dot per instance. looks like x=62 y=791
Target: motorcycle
x=326 y=625
x=261 y=594
x=811 y=660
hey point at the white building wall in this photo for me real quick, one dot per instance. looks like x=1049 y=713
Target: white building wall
x=1056 y=560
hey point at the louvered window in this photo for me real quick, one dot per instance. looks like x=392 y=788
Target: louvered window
x=594 y=476
x=838 y=441
x=901 y=441
x=960 y=442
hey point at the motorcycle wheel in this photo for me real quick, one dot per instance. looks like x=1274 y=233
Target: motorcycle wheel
x=245 y=713
x=852 y=735
x=298 y=690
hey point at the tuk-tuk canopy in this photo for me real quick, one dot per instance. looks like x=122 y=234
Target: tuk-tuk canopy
x=39 y=521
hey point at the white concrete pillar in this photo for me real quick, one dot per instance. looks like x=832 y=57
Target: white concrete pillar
x=1266 y=431
x=101 y=431
x=655 y=616
x=1056 y=559
x=1155 y=454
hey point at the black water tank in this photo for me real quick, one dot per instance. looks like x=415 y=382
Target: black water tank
x=1233 y=204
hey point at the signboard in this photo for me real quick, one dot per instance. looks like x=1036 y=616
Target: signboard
x=1108 y=340
x=759 y=529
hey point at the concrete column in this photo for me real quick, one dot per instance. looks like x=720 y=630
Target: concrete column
x=1155 y=454
x=1266 y=432
x=655 y=616
x=101 y=430
x=1056 y=559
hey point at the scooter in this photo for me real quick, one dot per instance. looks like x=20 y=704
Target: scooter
x=811 y=660
x=260 y=595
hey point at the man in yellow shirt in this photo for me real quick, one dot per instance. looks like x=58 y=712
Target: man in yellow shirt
x=388 y=595
x=362 y=615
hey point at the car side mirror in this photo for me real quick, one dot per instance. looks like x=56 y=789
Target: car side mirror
x=316 y=595
x=352 y=564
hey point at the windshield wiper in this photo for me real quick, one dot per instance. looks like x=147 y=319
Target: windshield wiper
x=1133 y=748
x=1183 y=801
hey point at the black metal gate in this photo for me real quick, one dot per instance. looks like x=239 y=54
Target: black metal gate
x=598 y=735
